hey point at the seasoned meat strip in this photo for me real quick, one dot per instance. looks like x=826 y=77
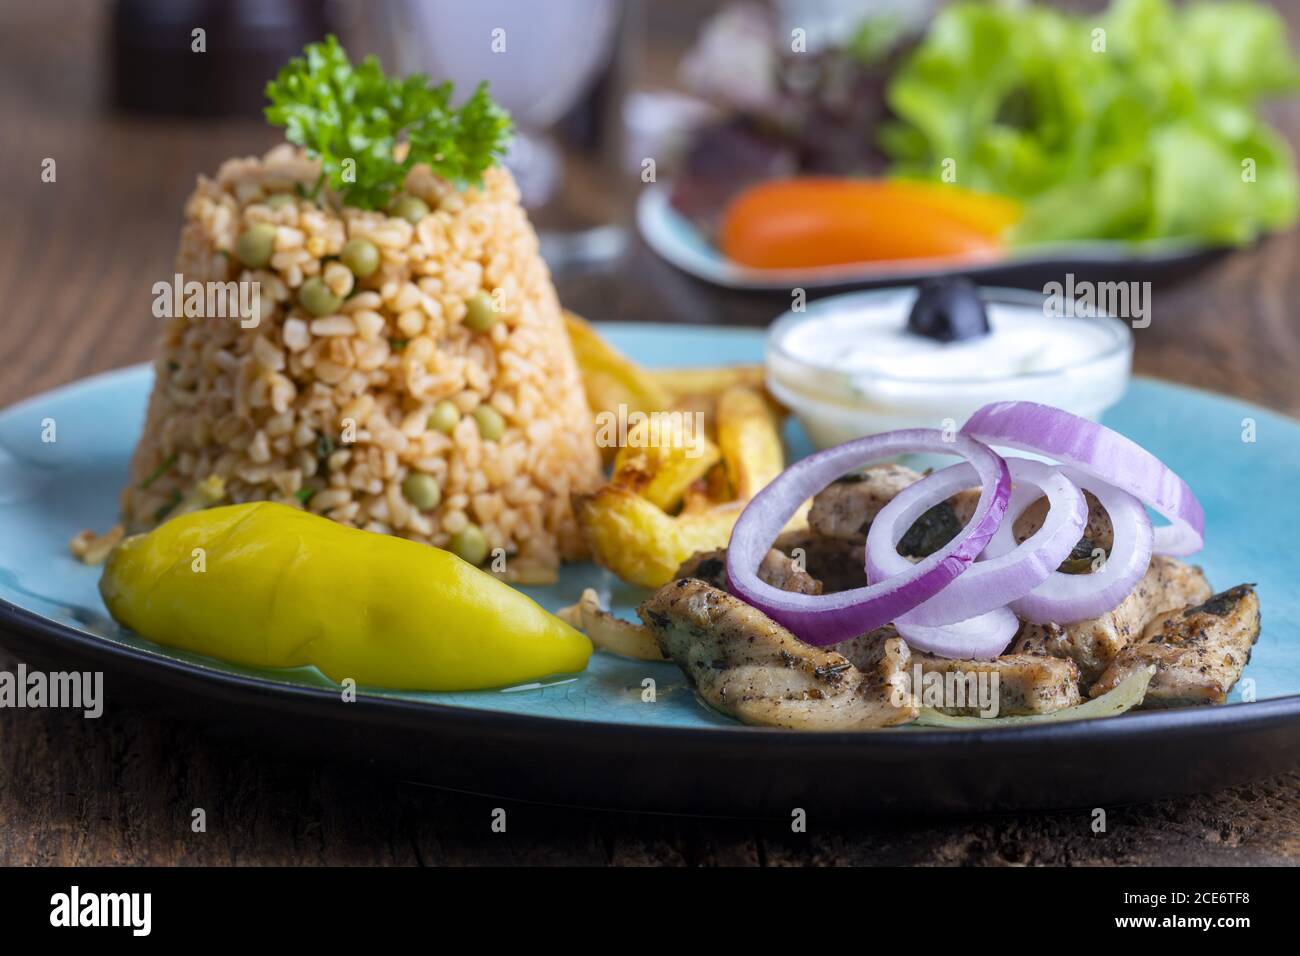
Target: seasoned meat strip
x=781 y=571
x=845 y=508
x=626 y=638
x=776 y=569
x=963 y=505
x=749 y=667
x=1026 y=683
x=1198 y=652
x=862 y=650
x=707 y=566
x=838 y=564
x=1093 y=644
x=1098 y=529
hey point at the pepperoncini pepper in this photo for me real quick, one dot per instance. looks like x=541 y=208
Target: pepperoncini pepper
x=266 y=585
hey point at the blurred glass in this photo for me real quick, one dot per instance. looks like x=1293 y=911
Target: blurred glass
x=539 y=58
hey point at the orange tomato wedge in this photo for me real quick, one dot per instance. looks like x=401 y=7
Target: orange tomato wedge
x=816 y=221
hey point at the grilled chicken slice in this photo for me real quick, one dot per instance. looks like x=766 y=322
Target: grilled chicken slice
x=864 y=650
x=1026 y=684
x=1198 y=652
x=838 y=564
x=1092 y=645
x=1098 y=530
x=830 y=565
x=781 y=571
x=749 y=667
x=777 y=569
x=707 y=566
x=831 y=549
x=845 y=508
x=963 y=505
x=629 y=639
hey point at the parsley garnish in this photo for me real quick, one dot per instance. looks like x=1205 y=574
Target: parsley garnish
x=340 y=112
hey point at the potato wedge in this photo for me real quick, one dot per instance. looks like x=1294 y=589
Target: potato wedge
x=642 y=544
x=661 y=472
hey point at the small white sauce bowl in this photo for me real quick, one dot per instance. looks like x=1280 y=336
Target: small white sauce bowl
x=836 y=402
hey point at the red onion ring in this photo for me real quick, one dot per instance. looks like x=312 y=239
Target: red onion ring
x=995 y=580
x=982 y=637
x=1096 y=450
x=828 y=618
x=1066 y=598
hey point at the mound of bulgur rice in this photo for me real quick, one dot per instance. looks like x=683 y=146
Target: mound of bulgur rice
x=336 y=412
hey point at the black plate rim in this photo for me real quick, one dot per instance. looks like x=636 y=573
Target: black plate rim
x=1152 y=725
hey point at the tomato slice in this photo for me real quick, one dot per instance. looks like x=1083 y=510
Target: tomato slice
x=815 y=221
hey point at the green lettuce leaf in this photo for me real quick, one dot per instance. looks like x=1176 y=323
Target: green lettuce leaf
x=1138 y=124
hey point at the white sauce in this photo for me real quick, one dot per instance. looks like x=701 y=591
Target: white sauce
x=872 y=341
x=848 y=366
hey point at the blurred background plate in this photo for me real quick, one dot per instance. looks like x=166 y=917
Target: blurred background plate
x=673 y=237
x=591 y=739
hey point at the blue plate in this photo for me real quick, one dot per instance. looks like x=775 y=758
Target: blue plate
x=50 y=608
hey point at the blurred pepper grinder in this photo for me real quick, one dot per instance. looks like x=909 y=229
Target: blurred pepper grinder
x=206 y=57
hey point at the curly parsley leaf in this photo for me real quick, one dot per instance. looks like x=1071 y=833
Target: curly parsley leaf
x=353 y=117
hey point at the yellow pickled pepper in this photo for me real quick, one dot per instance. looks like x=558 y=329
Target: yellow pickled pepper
x=266 y=585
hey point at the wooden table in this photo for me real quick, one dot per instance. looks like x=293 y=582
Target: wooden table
x=77 y=259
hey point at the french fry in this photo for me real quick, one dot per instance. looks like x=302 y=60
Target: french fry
x=610 y=378
x=662 y=472
x=628 y=523
x=749 y=440
x=639 y=542
x=681 y=383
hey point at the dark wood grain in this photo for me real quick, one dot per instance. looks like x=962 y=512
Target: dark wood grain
x=77 y=260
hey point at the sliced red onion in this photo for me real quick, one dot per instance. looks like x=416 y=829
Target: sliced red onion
x=1066 y=598
x=992 y=581
x=828 y=618
x=978 y=638
x=1105 y=454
